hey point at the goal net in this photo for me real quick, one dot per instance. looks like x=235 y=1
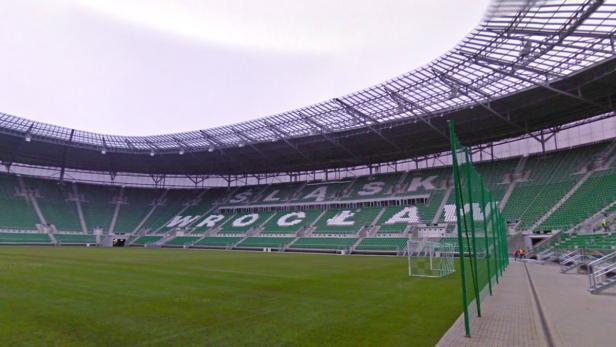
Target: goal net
x=430 y=258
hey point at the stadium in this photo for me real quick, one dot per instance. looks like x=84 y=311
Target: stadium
x=394 y=215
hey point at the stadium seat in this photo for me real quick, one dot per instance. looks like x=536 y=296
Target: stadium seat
x=382 y=244
x=265 y=242
x=25 y=238
x=326 y=243
x=75 y=238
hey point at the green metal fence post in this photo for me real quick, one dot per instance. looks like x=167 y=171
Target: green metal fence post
x=495 y=238
x=473 y=239
x=485 y=235
x=457 y=188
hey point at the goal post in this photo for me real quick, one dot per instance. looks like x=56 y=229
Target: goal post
x=430 y=258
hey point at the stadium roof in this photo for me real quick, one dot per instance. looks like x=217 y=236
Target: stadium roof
x=529 y=65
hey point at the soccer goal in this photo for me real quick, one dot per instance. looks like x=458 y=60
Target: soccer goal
x=430 y=259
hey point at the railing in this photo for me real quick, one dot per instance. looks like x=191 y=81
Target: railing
x=571 y=260
x=599 y=272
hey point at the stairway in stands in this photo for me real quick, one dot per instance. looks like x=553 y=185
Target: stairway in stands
x=602 y=273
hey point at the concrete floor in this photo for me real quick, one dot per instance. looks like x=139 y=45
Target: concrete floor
x=512 y=316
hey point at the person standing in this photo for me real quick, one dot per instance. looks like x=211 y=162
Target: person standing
x=605 y=225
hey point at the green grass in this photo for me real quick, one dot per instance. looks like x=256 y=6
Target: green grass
x=169 y=297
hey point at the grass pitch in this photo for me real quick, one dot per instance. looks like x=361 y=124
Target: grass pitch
x=164 y=297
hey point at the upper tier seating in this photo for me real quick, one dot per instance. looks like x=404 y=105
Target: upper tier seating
x=497 y=175
x=173 y=202
x=597 y=192
x=550 y=177
x=98 y=205
x=16 y=212
x=370 y=187
x=322 y=192
x=53 y=200
x=139 y=202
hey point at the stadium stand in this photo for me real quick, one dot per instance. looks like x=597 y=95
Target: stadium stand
x=153 y=212
x=220 y=241
x=286 y=222
x=210 y=222
x=98 y=205
x=370 y=187
x=586 y=241
x=382 y=244
x=395 y=219
x=167 y=207
x=345 y=221
x=243 y=222
x=75 y=238
x=325 y=243
x=265 y=242
x=278 y=193
x=598 y=191
x=24 y=238
x=53 y=200
x=182 y=240
x=497 y=175
x=137 y=204
x=320 y=192
x=18 y=212
x=144 y=240
x=549 y=178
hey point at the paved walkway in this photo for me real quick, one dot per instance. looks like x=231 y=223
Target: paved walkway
x=508 y=317
x=575 y=317
x=512 y=317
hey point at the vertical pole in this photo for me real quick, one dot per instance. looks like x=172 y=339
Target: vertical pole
x=408 y=251
x=495 y=241
x=485 y=235
x=456 y=180
x=473 y=238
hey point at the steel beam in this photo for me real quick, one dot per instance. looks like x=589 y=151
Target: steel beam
x=405 y=103
x=323 y=131
x=357 y=114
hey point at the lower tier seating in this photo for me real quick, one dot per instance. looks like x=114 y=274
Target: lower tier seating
x=75 y=238
x=323 y=243
x=382 y=244
x=263 y=242
x=181 y=240
x=213 y=241
x=586 y=241
x=26 y=238
x=345 y=221
x=146 y=239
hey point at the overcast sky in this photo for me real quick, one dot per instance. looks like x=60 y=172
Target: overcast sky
x=142 y=67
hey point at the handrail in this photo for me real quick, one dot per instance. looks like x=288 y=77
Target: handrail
x=594 y=274
x=603 y=259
